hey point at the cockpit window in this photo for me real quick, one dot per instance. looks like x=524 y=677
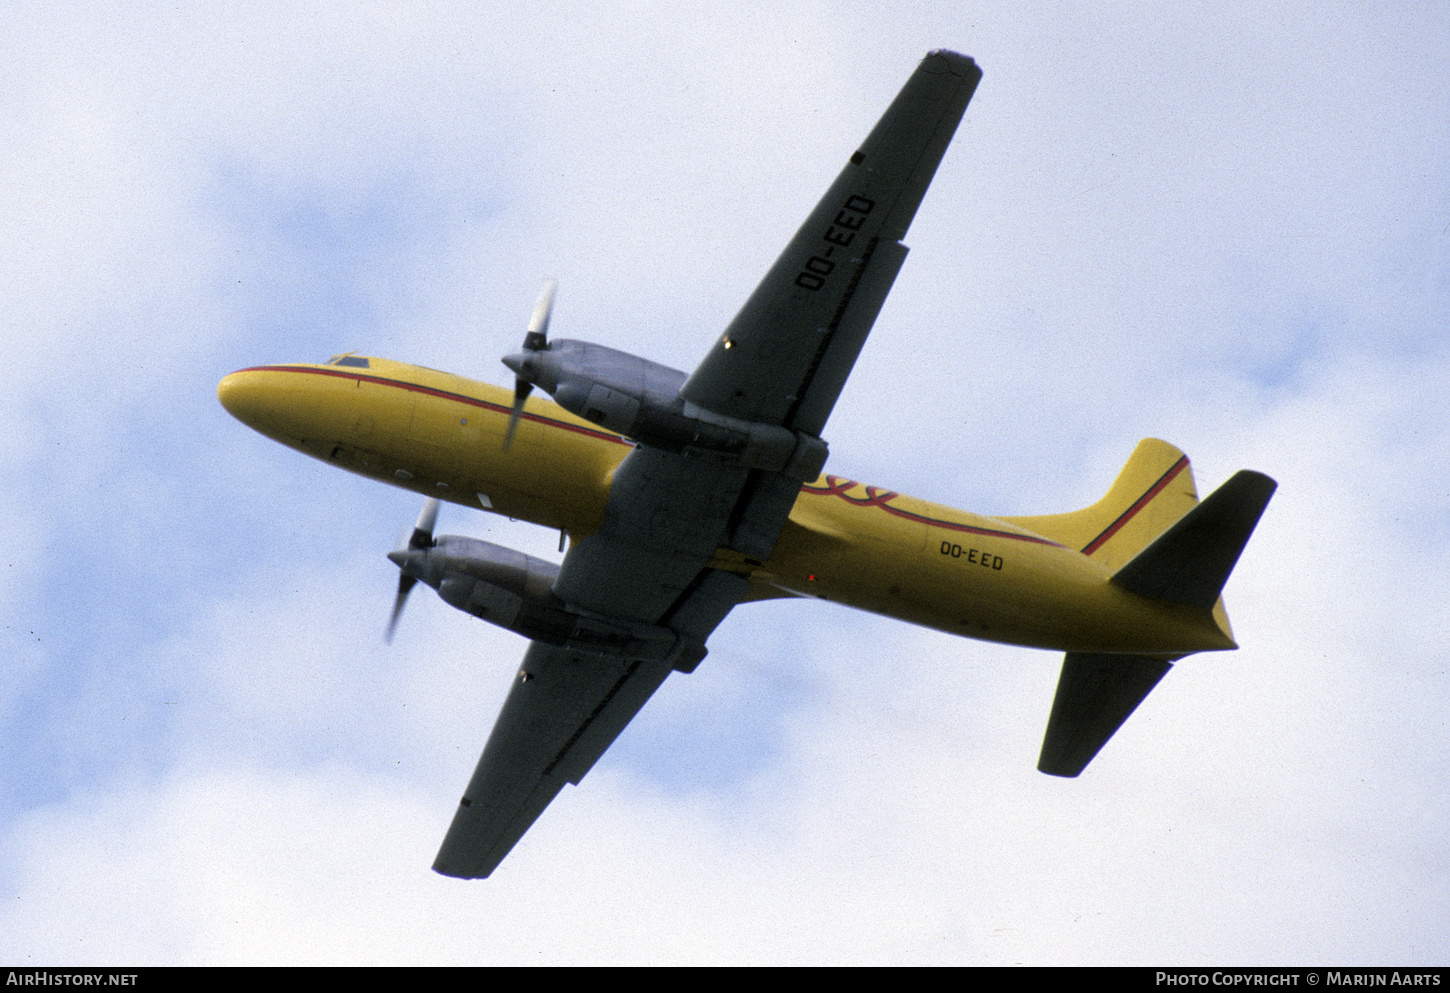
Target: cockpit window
x=352 y=360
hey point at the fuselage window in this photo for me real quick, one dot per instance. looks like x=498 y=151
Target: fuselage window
x=352 y=360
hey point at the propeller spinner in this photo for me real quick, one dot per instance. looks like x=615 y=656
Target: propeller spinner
x=536 y=340
x=421 y=541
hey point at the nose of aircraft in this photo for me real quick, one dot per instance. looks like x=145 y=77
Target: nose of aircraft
x=279 y=403
x=247 y=397
x=293 y=403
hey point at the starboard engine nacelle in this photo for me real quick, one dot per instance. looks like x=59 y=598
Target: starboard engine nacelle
x=506 y=587
x=641 y=400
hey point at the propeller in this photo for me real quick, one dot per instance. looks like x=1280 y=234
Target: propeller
x=536 y=340
x=421 y=541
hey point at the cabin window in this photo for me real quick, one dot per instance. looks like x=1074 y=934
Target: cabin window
x=352 y=360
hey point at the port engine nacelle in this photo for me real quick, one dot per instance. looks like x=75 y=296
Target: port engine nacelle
x=515 y=591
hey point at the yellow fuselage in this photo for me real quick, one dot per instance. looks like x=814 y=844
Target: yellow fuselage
x=442 y=435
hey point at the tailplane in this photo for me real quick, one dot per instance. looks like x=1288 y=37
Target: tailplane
x=1190 y=562
x=1187 y=564
x=1095 y=695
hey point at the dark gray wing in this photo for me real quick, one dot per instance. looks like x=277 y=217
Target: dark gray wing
x=562 y=713
x=788 y=352
x=783 y=361
x=565 y=708
x=646 y=565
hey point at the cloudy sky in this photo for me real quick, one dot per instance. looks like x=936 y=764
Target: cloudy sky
x=1229 y=230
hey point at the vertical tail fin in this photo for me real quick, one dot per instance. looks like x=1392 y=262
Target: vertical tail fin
x=1154 y=489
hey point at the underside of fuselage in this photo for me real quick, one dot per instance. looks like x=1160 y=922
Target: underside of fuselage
x=442 y=436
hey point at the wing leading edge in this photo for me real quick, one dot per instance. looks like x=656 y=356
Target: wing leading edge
x=782 y=361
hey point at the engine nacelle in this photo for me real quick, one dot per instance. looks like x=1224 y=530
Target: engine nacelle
x=641 y=400
x=513 y=590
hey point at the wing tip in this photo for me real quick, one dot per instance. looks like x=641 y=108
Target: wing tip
x=455 y=872
x=940 y=60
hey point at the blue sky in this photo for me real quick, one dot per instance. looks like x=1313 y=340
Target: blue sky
x=1227 y=229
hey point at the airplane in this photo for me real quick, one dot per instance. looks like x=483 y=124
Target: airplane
x=685 y=495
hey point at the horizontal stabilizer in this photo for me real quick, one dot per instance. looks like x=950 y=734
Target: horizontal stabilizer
x=1095 y=695
x=1190 y=562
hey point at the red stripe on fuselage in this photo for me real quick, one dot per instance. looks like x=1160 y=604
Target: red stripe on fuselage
x=445 y=394
x=835 y=486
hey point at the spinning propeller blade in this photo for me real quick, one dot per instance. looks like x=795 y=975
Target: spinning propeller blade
x=421 y=540
x=535 y=340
